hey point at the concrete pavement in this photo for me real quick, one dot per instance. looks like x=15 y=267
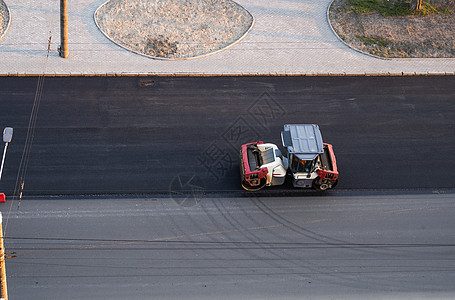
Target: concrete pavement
x=289 y=37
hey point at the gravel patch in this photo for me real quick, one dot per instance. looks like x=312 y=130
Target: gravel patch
x=4 y=18
x=174 y=29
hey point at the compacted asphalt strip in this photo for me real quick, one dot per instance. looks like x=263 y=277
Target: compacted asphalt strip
x=150 y=134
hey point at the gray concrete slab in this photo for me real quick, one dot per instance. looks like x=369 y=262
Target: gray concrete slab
x=289 y=37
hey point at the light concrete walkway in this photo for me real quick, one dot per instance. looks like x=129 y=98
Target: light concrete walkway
x=289 y=37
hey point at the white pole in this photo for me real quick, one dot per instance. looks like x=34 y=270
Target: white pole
x=3 y=160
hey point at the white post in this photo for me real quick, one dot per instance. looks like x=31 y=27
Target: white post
x=3 y=160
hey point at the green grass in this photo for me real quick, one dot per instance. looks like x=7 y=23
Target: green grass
x=378 y=46
x=373 y=40
x=427 y=9
x=383 y=47
x=389 y=8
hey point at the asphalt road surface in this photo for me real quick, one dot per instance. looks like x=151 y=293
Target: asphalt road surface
x=349 y=246
x=189 y=232
x=156 y=134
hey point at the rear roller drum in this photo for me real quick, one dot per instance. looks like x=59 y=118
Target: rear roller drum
x=253 y=188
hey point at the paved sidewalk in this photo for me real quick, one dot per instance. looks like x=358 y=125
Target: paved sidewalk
x=289 y=37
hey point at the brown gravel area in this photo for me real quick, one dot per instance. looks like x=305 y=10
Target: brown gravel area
x=426 y=36
x=4 y=18
x=174 y=29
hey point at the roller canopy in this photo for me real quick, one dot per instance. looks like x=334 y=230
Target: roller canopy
x=302 y=140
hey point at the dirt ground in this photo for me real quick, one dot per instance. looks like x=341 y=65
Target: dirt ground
x=411 y=36
x=4 y=18
x=174 y=29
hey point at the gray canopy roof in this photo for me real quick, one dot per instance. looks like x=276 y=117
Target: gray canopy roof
x=303 y=140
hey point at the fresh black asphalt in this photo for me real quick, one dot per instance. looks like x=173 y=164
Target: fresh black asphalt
x=110 y=135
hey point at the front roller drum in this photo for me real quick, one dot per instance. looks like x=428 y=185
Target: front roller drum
x=255 y=185
x=324 y=184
